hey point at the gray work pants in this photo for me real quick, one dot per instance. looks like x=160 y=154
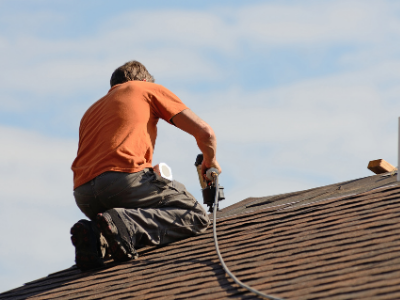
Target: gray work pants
x=155 y=210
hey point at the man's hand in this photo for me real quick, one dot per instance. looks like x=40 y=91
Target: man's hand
x=205 y=166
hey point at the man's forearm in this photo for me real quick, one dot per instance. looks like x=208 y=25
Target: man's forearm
x=203 y=133
x=207 y=143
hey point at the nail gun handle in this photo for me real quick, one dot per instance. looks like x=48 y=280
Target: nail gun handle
x=198 y=163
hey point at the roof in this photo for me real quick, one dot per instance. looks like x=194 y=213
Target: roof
x=335 y=242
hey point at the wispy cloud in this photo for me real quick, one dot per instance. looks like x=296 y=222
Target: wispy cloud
x=38 y=208
x=169 y=41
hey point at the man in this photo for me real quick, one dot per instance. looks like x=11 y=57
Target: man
x=129 y=205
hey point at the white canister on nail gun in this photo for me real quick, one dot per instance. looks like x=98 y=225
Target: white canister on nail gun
x=163 y=170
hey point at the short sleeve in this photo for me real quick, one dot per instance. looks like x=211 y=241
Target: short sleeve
x=166 y=104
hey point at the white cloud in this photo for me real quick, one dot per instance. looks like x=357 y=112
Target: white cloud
x=27 y=23
x=308 y=22
x=35 y=168
x=313 y=22
x=178 y=43
x=38 y=208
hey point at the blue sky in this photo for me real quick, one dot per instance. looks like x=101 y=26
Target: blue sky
x=300 y=94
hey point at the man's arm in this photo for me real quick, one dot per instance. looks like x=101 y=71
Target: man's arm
x=189 y=122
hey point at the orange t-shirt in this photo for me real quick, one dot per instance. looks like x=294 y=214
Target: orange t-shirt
x=118 y=132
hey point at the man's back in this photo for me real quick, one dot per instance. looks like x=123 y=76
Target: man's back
x=122 y=126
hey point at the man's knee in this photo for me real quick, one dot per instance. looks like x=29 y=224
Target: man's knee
x=201 y=222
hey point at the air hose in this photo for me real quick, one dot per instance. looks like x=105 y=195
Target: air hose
x=215 y=208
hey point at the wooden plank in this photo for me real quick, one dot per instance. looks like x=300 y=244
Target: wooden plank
x=380 y=166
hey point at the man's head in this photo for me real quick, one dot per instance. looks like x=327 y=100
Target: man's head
x=132 y=70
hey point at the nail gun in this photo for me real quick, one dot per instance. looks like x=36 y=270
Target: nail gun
x=208 y=187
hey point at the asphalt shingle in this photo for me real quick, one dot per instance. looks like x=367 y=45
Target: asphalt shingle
x=335 y=242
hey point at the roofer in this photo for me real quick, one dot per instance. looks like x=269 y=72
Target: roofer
x=129 y=205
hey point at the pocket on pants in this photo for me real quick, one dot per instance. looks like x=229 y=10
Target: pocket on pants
x=180 y=199
x=161 y=182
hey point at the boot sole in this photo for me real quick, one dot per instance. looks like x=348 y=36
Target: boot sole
x=86 y=256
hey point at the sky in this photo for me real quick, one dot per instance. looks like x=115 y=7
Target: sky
x=300 y=94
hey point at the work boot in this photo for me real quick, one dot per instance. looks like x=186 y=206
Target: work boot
x=90 y=246
x=119 y=248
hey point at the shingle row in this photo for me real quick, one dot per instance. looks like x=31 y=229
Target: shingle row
x=345 y=247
